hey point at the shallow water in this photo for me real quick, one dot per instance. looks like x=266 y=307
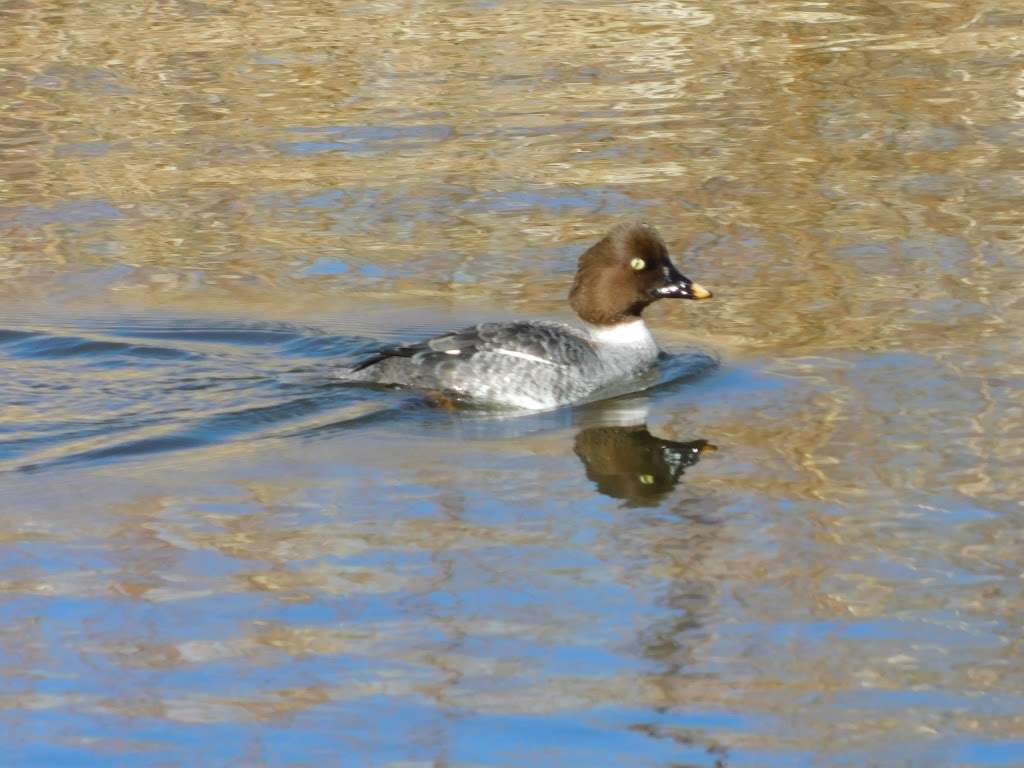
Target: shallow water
x=211 y=554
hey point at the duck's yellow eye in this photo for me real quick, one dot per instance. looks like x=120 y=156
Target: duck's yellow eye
x=646 y=479
x=638 y=264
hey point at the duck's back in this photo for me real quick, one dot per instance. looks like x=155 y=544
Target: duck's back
x=536 y=364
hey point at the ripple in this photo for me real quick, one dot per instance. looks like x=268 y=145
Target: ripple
x=26 y=344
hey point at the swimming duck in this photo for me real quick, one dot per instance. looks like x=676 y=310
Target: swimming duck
x=540 y=364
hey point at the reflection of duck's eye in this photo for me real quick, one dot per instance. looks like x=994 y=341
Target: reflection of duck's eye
x=646 y=479
x=638 y=264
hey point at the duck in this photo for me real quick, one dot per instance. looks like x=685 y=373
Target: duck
x=542 y=364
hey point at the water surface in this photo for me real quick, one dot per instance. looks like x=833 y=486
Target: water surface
x=212 y=554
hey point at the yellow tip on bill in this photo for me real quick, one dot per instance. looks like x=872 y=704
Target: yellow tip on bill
x=699 y=291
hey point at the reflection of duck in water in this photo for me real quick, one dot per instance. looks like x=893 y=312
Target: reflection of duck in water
x=632 y=464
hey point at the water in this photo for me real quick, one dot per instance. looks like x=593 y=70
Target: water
x=210 y=554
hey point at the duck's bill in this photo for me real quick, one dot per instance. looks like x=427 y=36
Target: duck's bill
x=679 y=286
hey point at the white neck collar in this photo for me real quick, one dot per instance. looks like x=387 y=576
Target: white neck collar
x=630 y=333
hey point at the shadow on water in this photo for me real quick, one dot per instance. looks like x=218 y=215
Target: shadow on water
x=107 y=393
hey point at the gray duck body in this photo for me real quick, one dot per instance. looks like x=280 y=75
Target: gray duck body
x=522 y=364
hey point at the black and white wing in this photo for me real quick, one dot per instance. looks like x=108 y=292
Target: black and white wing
x=542 y=343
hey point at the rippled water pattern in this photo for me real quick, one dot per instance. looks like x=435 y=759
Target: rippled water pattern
x=212 y=554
